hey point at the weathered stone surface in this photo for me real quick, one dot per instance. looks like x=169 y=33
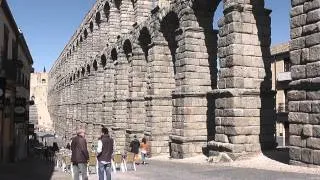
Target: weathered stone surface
x=158 y=78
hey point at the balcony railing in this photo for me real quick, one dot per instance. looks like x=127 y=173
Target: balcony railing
x=284 y=76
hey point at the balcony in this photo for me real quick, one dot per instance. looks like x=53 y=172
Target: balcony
x=284 y=76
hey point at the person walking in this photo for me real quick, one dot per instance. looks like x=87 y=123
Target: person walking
x=80 y=155
x=104 y=154
x=144 y=150
x=135 y=145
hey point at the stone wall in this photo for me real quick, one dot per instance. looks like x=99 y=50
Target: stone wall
x=304 y=94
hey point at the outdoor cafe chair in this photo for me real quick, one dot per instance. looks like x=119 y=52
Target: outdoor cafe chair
x=130 y=160
x=92 y=163
x=118 y=162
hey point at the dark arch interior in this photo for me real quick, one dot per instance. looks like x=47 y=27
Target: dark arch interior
x=145 y=41
x=81 y=40
x=127 y=47
x=118 y=3
x=83 y=71
x=98 y=18
x=103 y=60
x=85 y=33
x=114 y=55
x=88 y=69
x=78 y=74
x=170 y=29
x=91 y=26
x=106 y=10
x=95 y=65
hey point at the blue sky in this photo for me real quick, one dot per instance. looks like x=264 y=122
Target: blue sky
x=49 y=24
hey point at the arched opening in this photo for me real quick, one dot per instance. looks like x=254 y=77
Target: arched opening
x=114 y=55
x=170 y=29
x=127 y=47
x=88 y=69
x=95 y=65
x=106 y=10
x=103 y=60
x=91 y=26
x=145 y=41
x=118 y=3
x=81 y=40
x=98 y=18
x=83 y=71
x=85 y=33
x=78 y=74
x=77 y=43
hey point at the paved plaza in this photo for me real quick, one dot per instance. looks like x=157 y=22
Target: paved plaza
x=160 y=168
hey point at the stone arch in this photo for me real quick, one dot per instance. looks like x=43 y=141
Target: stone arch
x=85 y=33
x=95 y=65
x=127 y=48
x=91 y=26
x=106 y=10
x=114 y=54
x=118 y=4
x=103 y=60
x=83 y=71
x=145 y=41
x=88 y=69
x=98 y=18
x=169 y=27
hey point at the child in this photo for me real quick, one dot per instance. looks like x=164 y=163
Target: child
x=144 y=150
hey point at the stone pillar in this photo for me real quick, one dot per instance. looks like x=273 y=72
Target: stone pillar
x=245 y=113
x=108 y=93
x=304 y=96
x=127 y=16
x=142 y=9
x=159 y=82
x=114 y=24
x=120 y=106
x=189 y=55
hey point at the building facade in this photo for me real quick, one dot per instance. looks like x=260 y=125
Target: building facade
x=281 y=77
x=39 y=115
x=150 y=70
x=15 y=68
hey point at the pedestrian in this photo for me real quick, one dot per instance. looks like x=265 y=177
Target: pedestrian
x=104 y=154
x=80 y=155
x=135 y=145
x=144 y=150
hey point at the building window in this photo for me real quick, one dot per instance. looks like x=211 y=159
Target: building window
x=43 y=81
x=287 y=65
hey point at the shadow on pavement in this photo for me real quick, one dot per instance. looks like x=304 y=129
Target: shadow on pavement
x=279 y=154
x=30 y=169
